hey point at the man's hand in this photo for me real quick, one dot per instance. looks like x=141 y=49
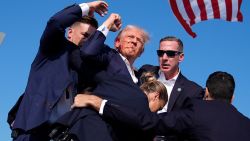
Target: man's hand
x=86 y=100
x=99 y=7
x=113 y=23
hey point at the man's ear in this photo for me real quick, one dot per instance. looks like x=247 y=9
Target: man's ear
x=117 y=43
x=70 y=31
x=181 y=57
x=231 y=101
x=207 y=95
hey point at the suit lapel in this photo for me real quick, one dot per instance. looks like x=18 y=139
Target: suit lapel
x=176 y=91
x=122 y=65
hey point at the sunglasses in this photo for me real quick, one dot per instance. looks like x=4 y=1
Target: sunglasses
x=170 y=53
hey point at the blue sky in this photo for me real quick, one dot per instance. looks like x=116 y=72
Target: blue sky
x=220 y=45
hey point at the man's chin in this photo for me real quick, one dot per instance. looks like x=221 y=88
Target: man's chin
x=130 y=54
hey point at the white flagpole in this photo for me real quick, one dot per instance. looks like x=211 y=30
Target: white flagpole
x=2 y=35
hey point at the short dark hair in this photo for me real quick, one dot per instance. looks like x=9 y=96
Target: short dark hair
x=221 y=86
x=173 y=38
x=88 y=20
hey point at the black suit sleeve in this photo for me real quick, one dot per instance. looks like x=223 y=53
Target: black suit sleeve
x=53 y=38
x=199 y=93
x=94 y=51
x=166 y=123
x=94 y=45
x=13 y=111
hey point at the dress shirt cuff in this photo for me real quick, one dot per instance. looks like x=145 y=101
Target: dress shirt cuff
x=102 y=106
x=85 y=9
x=104 y=30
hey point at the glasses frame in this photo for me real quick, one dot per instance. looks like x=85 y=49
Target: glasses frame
x=169 y=53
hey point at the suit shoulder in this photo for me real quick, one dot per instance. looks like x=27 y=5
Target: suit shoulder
x=188 y=82
x=193 y=89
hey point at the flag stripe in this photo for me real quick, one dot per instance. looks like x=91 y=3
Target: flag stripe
x=176 y=12
x=239 y=15
x=235 y=10
x=229 y=9
x=196 y=10
x=223 y=10
x=216 y=9
x=202 y=7
x=209 y=9
x=189 y=11
x=182 y=11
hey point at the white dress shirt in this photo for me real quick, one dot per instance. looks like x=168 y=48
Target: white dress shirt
x=85 y=9
x=130 y=69
x=169 y=84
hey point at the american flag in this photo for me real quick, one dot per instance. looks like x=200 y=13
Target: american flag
x=190 y=12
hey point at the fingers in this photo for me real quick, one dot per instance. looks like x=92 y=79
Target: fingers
x=116 y=23
x=103 y=3
x=99 y=7
x=101 y=12
x=113 y=23
x=102 y=9
x=80 y=100
x=117 y=18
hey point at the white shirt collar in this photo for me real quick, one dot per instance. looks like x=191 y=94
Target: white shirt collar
x=170 y=81
x=169 y=84
x=130 y=68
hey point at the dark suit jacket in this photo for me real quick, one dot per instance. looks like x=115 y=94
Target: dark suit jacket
x=113 y=82
x=50 y=72
x=182 y=89
x=198 y=121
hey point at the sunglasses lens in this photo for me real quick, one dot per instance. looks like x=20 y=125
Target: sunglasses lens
x=160 y=53
x=169 y=53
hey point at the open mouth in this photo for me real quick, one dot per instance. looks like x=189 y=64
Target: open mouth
x=165 y=65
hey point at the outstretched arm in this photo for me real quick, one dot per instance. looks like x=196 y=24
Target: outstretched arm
x=54 y=33
x=116 y=112
x=95 y=44
x=166 y=123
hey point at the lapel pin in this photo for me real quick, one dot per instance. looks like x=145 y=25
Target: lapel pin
x=179 y=89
